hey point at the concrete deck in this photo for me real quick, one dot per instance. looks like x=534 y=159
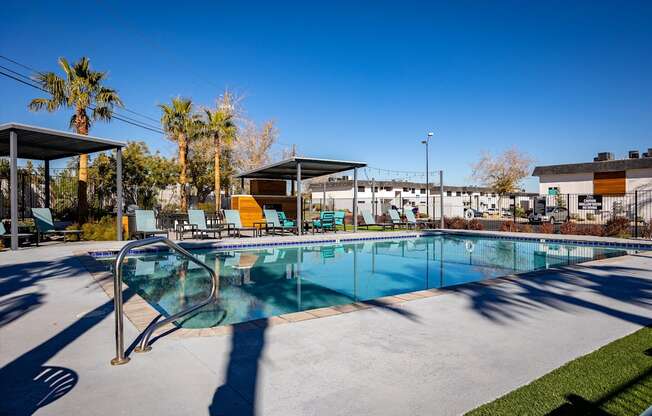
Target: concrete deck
x=438 y=355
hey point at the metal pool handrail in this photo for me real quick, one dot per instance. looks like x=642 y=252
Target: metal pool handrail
x=118 y=302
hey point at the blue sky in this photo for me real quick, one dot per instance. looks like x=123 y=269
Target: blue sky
x=365 y=81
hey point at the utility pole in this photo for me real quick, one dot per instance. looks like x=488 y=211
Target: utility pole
x=430 y=134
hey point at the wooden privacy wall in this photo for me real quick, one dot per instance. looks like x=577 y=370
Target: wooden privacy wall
x=268 y=187
x=609 y=183
x=251 y=207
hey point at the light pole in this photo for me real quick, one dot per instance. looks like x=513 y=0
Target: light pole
x=430 y=134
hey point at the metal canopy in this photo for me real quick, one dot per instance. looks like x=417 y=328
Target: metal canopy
x=39 y=143
x=310 y=168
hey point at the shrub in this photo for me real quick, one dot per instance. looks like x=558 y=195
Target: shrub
x=592 y=229
x=525 y=228
x=103 y=230
x=645 y=230
x=590 y=216
x=475 y=225
x=455 y=223
x=520 y=212
x=568 y=228
x=206 y=206
x=617 y=227
x=547 y=228
x=509 y=226
x=72 y=237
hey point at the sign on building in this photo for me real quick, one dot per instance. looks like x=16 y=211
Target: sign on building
x=589 y=202
x=540 y=206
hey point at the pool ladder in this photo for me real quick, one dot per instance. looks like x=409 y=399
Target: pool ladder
x=143 y=345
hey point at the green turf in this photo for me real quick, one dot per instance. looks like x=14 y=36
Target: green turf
x=614 y=380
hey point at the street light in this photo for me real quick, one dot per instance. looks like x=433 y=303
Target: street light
x=430 y=134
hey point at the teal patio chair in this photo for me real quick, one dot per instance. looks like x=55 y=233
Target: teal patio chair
x=274 y=223
x=395 y=217
x=369 y=221
x=197 y=223
x=284 y=220
x=146 y=224
x=412 y=220
x=339 y=219
x=232 y=218
x=4 y=235
x=325 y=222
x=45 y=225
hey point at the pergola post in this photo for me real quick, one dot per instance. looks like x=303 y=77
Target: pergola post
x=355 y=200
x=13 y=185
x=298 y=191
x=118 y=192
x=46 y=168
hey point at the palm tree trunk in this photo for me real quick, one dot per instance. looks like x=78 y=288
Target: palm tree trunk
x=183 y=149
x=81 y=125
x=218 y=195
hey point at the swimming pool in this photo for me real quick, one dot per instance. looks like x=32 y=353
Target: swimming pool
x=259 y=283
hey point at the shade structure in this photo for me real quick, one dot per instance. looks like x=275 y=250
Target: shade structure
x=299 y=168
x=22 y=141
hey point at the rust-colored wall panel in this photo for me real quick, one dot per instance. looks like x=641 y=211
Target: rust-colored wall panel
x=251 y=207
x=268 y=187
x=609 y=183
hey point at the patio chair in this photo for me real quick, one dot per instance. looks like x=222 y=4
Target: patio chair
x=339 y=219
x=395 y=217
x=5 y=235
x=369 y=221
x=45 y=225
x=274 y=223
x=232 y=218
x=197 y=222
x=146 y=224
x=325 y=222
x=284 y=220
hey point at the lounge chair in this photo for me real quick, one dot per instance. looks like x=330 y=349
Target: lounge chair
x=413 y=220
x=325 y=222
x=5 y=235
x=284 y=220
x=369 y=221
x=339 y=219
x=146 y=224
x=197 y=222
x=395 y=217
x=232 y=218
x=274 y=223
x=45 y=225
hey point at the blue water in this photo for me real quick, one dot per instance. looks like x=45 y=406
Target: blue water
x=266 y=282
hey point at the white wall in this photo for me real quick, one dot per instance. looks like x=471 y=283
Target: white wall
x=568 y=183
x=638 y=180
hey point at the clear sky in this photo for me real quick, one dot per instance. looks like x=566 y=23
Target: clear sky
x=365 y=81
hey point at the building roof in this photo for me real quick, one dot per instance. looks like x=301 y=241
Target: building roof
x=39 y=143
x=310 y=168
x=602 y=166
x=344 y=184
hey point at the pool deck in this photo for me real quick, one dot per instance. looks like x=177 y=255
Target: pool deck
x=434 y=355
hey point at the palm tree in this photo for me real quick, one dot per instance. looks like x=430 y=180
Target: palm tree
x=220 y=125
x=81 y=89
x=178 y=122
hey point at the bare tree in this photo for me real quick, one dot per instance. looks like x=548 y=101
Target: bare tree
x=252 y=146
x=504 y=172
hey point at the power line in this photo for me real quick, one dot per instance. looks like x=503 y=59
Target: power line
x=29 y=68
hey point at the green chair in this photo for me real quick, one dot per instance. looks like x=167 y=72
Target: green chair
x=395 y=217
x=274 y=222
x=45 y=225
x=197 y=222
x=284 y=220
x=146 y=224
x=369 y=221
x=232 y=218
x=5 y=235
x=325 y=222
x=412 y=221
x=339 y=219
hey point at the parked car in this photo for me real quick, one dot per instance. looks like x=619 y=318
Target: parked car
x=492 y=211
x=470 y=213
x=552 y=215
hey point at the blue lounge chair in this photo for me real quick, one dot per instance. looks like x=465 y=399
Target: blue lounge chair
x=395 y=217
x=284 y=220
x=339 y=219
x=369 y=221
x=197 y=222
x=274 y=223
x=146 y=224
x=45 y=225
x=4 y=235
x=232 y=218
x=325 y=222
x=414 y=221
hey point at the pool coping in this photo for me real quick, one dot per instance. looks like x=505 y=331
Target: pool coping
x=141 y=314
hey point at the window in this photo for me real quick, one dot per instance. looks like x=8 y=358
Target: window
x=360 y=188
x=388 y=188
x=412 y=190
x=406 y=190
x=481 y=193
x=448 y=193
x=422 y=190
x=375 y=189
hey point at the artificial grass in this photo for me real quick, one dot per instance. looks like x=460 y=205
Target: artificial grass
x=613 y=380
